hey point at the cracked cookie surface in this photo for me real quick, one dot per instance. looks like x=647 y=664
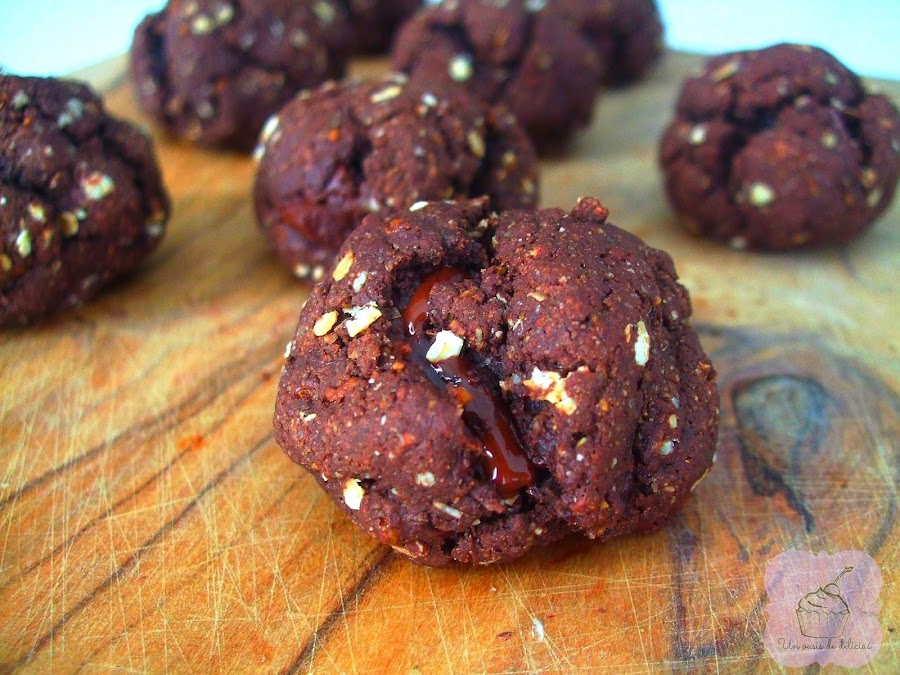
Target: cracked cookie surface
x=213 y=71
x=628 y=34
x=373 y=23
x=520 y=53
x=780 y=148
x=81 y=197
x=577 y=327
x=335 y=154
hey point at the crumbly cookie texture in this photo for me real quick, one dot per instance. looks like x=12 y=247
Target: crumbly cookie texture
x=576 y=327
x=81 y=197
x=628 y=34
x=780 y=148
x=534 y=60
x=213 y=71
x=338 y=153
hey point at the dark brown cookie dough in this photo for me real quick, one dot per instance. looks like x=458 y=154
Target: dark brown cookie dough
x=780 y=148
x=576 y=327
x=373 y=22
x=627 y=33
x=213 y=71
x=520 y=53
x=81 y=197
x=334 y=155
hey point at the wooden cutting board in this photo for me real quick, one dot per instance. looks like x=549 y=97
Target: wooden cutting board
x=148 y=521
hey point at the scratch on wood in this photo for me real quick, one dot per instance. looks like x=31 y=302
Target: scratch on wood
x=133 y=559
x=112 y=508
x=320 y=635
x=260 y=520
x=208 y=391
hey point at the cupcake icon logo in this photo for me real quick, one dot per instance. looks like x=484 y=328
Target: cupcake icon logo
x=823 y=608
x=824 y=613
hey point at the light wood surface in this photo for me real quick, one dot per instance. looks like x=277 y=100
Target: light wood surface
x=148 y=521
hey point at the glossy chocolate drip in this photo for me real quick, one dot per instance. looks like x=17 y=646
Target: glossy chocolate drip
x=485 y=412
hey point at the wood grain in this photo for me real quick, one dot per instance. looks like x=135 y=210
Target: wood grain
x=148 y=522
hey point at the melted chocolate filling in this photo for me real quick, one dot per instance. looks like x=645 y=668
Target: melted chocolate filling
x=484 y=410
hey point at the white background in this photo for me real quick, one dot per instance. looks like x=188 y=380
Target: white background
x=54 y=37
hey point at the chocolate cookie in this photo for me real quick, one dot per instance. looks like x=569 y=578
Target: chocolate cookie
x=213 y=71
x=519 y=52
x=373 y=22
x=467 y=386
x=81 y=197
x=780 y=148
x=336 y=154
x=627 y=33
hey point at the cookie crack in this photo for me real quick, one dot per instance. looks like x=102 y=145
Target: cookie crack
x=110 y=148
x=462 y=41
x=157 y=56
x=486 y=412
x=248 y=60
x=765 y=120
